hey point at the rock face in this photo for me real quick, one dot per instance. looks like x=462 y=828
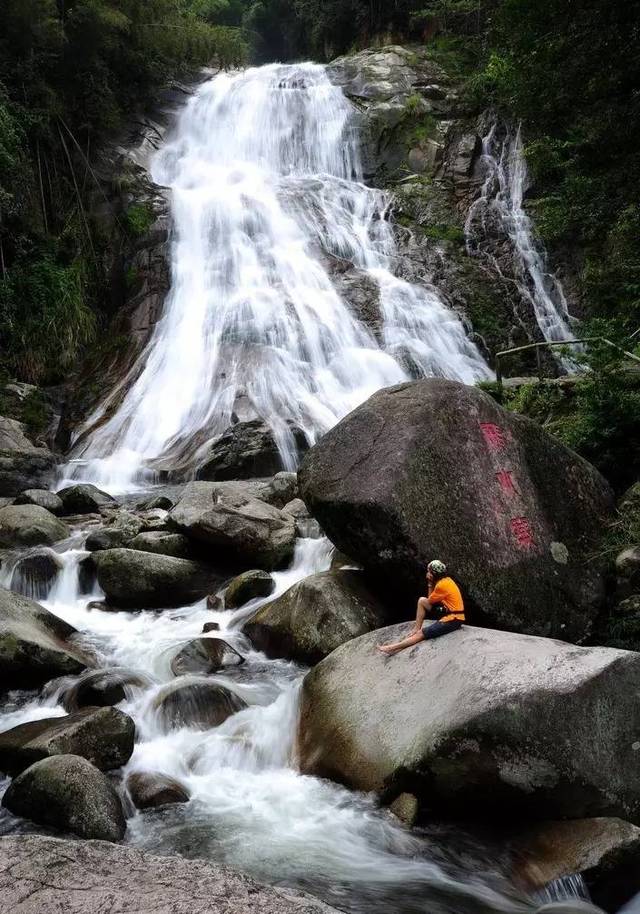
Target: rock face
x=479 y=722
x=247 y=586
x=434 y=469
x=205 y=655
x=103 y=736
x=33 y=644
x=42 y=498
x=85 y=498
x=197 y=704
x=240 y=527
x=315 y=616
x=69 y=793
x=141 y=580
x=46 y=875
x=246 y=451
x=22 y=464
x=605 y=851
x=149 y=790
x=30 y=525
x=34 y=574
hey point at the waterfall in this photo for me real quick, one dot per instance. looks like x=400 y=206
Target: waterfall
x=499 y=211
x=268 y=205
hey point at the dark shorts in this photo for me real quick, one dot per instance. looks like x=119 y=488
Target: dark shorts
x=437 y=629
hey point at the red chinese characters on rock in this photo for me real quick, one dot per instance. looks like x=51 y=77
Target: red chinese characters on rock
x=496 y=440
x=521 y=529
x=493 y=435
x=507 y=482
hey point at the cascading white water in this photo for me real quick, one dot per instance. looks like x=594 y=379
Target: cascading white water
x=500 y=206
x=250 y=808
x=267 y=193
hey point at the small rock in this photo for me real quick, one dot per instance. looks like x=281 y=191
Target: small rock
x=100 y=689
x=149 y=789
x=201 y=705
x=405 y=807
x=163 y=543
x=248 y=586
x=210 y=627
x=205 y=655
x=68 y=792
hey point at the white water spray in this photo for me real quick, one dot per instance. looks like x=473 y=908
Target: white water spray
x=500 y=207
x=267 y=195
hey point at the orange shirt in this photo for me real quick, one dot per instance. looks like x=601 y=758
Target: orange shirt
x=447 y=593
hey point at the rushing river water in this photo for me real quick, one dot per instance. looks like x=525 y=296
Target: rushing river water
x=249 y=806
x=267 y=201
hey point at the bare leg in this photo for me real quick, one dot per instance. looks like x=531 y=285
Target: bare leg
x=414 y=638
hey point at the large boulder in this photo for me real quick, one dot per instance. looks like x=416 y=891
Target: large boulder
x=84 y=498
x=30 y=525
x=239 y=527
x=104 y=736
x=34 y=645
x=41 y=875
x=22 y=464
x=100 y=689
x=131 y=578
x=197 y=704
x=246 y=450
x=69 y=793
x=479 y=723
x=434 y=469
x=605 y=851
x=315 y=616
x=43 y=498
x=149 y=790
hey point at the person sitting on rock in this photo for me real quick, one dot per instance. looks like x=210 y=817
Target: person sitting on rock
x=443 y=602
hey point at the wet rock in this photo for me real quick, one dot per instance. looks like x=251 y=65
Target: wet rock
x=161 y=502
x=22 y=464
x=248 y=586
x=205 y=655
x=435 y=469
x=405 y=807
x=150 y=789
x=197 y=704
x=85 y=498
x=69 y=793
x=34 y=575
x=34 y=644
x=210 y=627
x=464 y=723
x=104 y=736
x=605 y=851
x=86 y=575
x=246 y=450
x=162 y=543
x=315 y=616
x=46 y=876
x=42 y=498
x=136 y=579
x=101 y=689
x=240 y=527
x=29 y=525
x=214 y=602
x=119 y=533
x=306 y=526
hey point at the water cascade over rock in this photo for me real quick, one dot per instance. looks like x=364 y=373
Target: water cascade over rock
x=268 y=197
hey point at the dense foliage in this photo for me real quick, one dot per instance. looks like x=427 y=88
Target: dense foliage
x=69 y=73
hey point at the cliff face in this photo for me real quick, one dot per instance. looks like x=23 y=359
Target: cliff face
x=446 y=166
